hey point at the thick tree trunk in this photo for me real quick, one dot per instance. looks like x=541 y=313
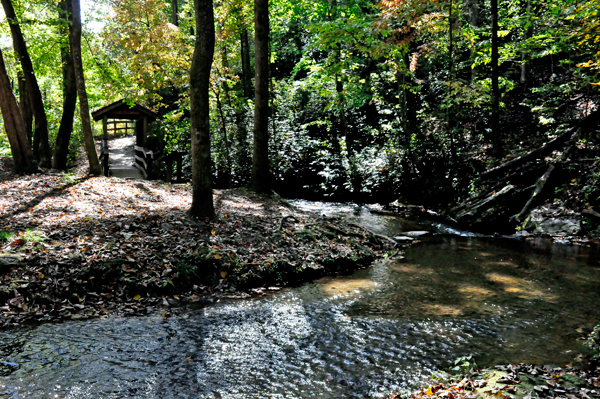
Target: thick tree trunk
x=204 y=49
x=84 y=108
x=63 y=137
x=40 y=143
x=246 y=68
x=260 y=160
x=175 y=12
x=26 y=108
x=14 y=125
x=497 y=149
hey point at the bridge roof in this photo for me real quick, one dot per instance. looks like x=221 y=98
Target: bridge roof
x=122 y=110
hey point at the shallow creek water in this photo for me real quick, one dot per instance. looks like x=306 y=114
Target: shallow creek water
x=379 y=330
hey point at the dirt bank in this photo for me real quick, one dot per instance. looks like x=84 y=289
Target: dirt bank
x=73 y=246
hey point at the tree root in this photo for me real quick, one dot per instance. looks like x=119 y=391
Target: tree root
x=282 y=221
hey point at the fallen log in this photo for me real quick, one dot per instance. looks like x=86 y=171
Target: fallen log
x=590 y=213
x=541 y=183
x=376 y=235
x=543 y=150
x=498 y=185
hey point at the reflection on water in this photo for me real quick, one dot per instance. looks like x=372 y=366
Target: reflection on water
x=382 y=329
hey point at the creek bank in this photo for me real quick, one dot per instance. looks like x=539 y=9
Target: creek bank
x=75 y=247
x=514 y=381
x=550 y=220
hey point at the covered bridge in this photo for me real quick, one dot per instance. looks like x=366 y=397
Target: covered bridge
x=123 y=117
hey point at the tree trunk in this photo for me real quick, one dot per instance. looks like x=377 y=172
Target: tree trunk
x=243 y=150
x=473 y=10
x=541 y=183
x=450 y=42
x=84 y=108
x=175 y=12
x=525 y=54
x=14 y=125
x=497 y=149
x=204 y=49
x=26 y=108
x=546 y=149
x=246 y=69
x=355 y=179
x=63 y=137
x=260 y=160
x=40 y=142
x=450 y=113
x=225 y=137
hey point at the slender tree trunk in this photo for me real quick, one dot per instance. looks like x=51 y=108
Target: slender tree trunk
x=40 y=143
x=246 y=68
x=450 y=42
x=225 y=138
x=26 y=108
x=261 y=179
x=243 y=149
x=355 y=180
x=63 y=137
x=525 y=54
x=450 y=115
x=411 y=101
x=496 y=135
x=473 y=9
x=204 y=49
x=225 y=87
x=14 y=125
x=84 y=108
x=175 y=12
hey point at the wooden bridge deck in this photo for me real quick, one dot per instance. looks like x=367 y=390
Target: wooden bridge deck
x=121 y=159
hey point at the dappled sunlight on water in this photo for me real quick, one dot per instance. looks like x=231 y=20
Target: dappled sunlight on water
x=347 y=287
x=379 y=330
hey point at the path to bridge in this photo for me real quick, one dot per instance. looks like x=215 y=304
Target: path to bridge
x=121 y=158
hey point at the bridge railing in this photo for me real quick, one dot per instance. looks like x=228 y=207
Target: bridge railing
x=144 y=161
x=104 y=154
x=168 y=160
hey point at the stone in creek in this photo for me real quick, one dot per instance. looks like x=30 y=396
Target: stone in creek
x=403 y=239
x=415 y=233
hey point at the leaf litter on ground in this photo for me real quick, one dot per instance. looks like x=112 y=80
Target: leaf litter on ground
x=74 y=246
x=525 y=381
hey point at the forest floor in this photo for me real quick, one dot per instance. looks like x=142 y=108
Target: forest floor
x=74 y=246
x=514 y=381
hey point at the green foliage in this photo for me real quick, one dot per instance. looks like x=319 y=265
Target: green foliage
x=591 y=189
x=463 y=365
x=4 y=147
x=593 y=343
x=6 y=236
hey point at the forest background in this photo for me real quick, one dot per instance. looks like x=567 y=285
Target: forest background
x=369 y=100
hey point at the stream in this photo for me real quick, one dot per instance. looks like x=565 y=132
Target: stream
x=383 y=329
